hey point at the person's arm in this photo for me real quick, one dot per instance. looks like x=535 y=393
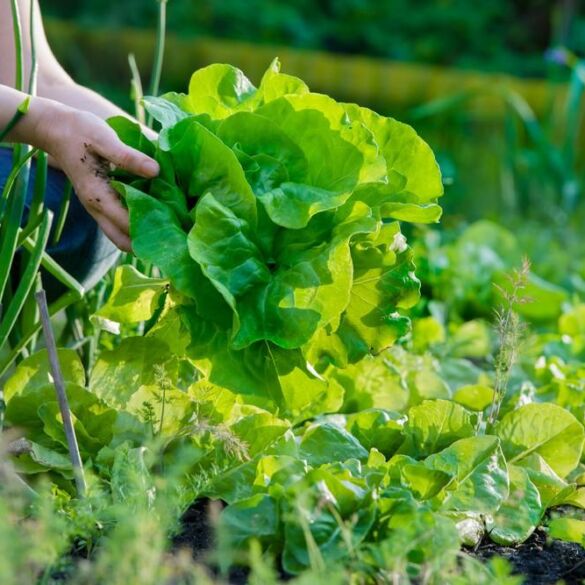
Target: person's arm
x=53 y=82
x=66 y=120
x=83 y=145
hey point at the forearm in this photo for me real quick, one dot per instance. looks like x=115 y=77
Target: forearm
x=53 y=82
x=66 y=91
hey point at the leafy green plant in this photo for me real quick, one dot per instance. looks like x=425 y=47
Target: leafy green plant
x=270 y=219
x=266 y=372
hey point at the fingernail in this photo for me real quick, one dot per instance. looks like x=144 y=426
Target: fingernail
x=150 y=167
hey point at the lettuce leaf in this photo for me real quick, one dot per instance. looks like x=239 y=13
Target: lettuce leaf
x=272 y=219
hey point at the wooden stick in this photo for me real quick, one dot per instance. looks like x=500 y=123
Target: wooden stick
x=41 y=299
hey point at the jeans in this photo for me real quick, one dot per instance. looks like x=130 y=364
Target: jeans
x=83 y=250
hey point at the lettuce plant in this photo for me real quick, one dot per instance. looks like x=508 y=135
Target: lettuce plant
x=275 y=219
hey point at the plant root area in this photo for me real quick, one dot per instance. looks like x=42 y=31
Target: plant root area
x=540 y=560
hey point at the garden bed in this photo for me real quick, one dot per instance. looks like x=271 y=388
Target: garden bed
x=539 y=560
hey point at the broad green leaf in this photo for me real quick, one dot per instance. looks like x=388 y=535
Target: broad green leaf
x=278 y=170
x=131 y=134
x=94 y=429
x=203 y=163
x=377 y=428
x=277 y=472
x=222 y=245
x=383 y=282
x=35 y=411
x=480 y=476
x=269 y=157
x=330 y=513
x=434 y=425
x=134 y=297
x=39 y=459
x=164 y=111
x=520 y=513
x=275 y=84
x=217 y=90
x=427 y=384
x=253 y=518
x=345 y=486
x=546 y=429
x=340 y=155
x=258 y=429
x=221 y=90
x=424 y=483
x=474 y=396
x=158 y=238
x=265 y=374
x=411 y=212
x=238 y=482
x=34 y=372
x=567 y=529
x=285 y=300
x=552 y=489
x=404 y=152
x=575 y=498
x=140 y=376
x=370 y=383
x=471 y=340
x=427 y=332
x=325 y=443
x=416 y=534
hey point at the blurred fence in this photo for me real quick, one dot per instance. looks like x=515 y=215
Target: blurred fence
x=101 y=55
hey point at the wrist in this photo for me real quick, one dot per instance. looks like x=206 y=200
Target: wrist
x=46 y=123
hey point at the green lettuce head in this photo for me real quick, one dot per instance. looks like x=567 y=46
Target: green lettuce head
x=275 y=216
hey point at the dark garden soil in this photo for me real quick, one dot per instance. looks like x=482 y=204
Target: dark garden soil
x=539 y=560
x=196 y=534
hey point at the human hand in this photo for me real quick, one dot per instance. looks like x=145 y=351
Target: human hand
x=85 y=147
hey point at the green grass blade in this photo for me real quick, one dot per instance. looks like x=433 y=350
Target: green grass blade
x=55 y=270
x=16 y=184
x=40 y=186
x=20 y=112
x=136 y=90
x=63 y=210
x=159 y=51
x=18 y=50
x=27 y=281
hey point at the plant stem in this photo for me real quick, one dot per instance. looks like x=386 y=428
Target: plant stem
x=136 y=91
x=159 y=51
x=32 y=80
x=61 y=394
x=19 y=71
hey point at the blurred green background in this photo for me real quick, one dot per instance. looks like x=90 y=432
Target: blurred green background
x=502 y=35
x=473 y=77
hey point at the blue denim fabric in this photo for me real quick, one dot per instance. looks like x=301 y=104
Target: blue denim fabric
x=83 y=250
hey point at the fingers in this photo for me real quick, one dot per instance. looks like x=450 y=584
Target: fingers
x=104 y=205
x=129 y=159
x=119 y=238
